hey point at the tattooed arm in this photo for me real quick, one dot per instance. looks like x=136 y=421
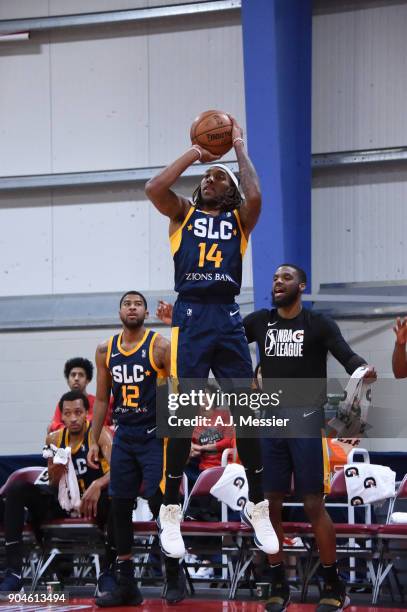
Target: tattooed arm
x=249 y=182
x=103 y=387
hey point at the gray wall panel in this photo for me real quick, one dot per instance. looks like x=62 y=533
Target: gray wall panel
x=101 y=246
x=185 y=81
x=358 y=226
x=99 y=99
x=359 y=68
x=26 y=249
x=21 y=9
x=25 y=142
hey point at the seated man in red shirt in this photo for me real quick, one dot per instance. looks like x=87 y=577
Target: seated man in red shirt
x=210 y=440
x=78 y=372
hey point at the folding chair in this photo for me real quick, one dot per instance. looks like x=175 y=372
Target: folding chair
x=34 y=475
x=80 y=538
x=350 y=531
x=388 y=536
x=237 y=532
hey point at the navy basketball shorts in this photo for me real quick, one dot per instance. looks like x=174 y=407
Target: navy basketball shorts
x=137 y=464
x=305 y=459
x=209 y=336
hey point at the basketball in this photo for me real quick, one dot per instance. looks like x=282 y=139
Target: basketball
x=212 y=130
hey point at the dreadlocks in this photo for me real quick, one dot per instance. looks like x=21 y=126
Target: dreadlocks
x=231 y=199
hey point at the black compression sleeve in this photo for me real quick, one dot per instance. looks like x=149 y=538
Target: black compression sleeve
x=334 y=341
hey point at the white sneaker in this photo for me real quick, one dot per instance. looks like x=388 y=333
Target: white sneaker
x=169 y=525
x=257 y=516
x=205 y=571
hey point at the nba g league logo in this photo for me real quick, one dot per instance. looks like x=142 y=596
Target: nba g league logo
x=284 y=342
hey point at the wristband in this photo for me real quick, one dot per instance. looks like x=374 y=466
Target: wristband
x=198 y=150
x=238 y=139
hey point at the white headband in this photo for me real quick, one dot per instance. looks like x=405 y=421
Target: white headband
x=229 y=172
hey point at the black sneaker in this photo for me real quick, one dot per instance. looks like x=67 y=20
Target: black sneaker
x=11 y=583
x=333 y=597
x=126 y=593
x=176 y=589
x=279 y=597
x=106 y=583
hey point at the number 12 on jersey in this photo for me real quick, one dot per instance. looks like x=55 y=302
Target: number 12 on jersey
x=213 y=254
x=130 y=393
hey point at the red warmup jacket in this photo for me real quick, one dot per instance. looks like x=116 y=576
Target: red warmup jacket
x=222 y=435
x=57 y=421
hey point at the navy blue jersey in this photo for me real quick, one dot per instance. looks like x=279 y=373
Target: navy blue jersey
x=208 y=253
x=85 y=474
x=134 y=377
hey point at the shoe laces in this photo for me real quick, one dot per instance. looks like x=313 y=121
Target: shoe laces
x=261 y=511
x=172 y=514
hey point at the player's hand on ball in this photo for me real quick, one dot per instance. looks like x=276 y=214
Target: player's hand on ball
x=237 y=131
x=93 y=456
x=206 y=156
x=400 y=329
x=164 y=312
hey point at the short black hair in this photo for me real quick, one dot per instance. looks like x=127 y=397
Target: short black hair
x=133 y=293
x=79 y=362
x=71 y=396
x=300 y=272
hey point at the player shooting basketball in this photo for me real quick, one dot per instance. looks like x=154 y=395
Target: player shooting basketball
x=208 y=238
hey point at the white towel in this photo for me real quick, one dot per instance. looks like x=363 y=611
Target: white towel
x=398 y=518
x=351 y=416
x=232 y=487
x=68 y=489
x=367 y=483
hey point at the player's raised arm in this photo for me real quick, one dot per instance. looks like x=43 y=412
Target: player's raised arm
x=103 y=387
x=158 y=189
x=249 y=182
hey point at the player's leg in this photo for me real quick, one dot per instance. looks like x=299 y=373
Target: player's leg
x=277 y=484
x=125 y=480
x=104 y=517
x=190 y=356
x=21 y=495
x=231 y=363
x=152 y=460
x=311 y=474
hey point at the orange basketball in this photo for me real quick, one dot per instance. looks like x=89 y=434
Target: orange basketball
x=212 y=130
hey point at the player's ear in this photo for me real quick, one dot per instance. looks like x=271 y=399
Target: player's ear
x=302 y=287
x=147 y=314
